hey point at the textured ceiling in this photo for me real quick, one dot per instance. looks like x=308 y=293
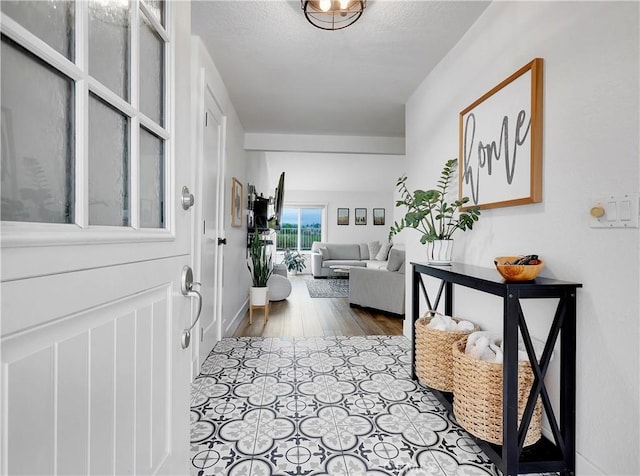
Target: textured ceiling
x=286 y=76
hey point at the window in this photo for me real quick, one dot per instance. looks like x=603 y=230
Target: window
x=84 y=125
x=300 y=227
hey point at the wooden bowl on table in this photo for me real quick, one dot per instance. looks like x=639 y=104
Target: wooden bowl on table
x=517 y=272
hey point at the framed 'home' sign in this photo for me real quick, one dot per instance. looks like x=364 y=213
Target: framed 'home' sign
x=501 y=142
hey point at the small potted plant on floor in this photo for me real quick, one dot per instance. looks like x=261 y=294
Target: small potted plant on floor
x=429 y=212
x=260 y=267
x=294 y=261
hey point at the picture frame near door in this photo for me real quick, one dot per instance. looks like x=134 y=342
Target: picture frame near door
x=343 y=216
x=360 y=216
x=236 y=202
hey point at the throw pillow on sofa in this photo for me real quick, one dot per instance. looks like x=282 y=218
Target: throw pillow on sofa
x=374 y=247
x=384 y=252
x=396 y=259
x=324 y=251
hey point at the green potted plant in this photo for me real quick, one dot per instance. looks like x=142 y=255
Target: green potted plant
x=260 y=267
x=429 y=212
x=294 y=261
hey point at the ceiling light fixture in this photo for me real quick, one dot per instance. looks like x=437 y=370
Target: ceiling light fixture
x=333 y=14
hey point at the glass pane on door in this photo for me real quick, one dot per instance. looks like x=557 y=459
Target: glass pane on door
x=108 y=165
x=51 y=21
x=37 y=139
x=109 y=45
x=151 y=180
x=151 y=72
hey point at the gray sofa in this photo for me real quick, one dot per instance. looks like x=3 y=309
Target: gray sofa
x=382 y=289
x=325 y=255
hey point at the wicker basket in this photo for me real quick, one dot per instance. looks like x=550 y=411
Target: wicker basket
x=434 y=360
x=477 y=396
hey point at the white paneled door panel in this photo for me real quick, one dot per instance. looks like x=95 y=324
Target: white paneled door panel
x=90 y=392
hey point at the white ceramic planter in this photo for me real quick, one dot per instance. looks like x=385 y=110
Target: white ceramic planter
x=258 y=296
x=439 y=251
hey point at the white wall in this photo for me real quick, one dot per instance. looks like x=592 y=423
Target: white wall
x=235 y=276
x=337 y=180
x=258 y=174
x=351 y=233
x=591 y=145
x=335 y=171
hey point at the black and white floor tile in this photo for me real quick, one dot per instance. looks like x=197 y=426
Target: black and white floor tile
x=336 y=406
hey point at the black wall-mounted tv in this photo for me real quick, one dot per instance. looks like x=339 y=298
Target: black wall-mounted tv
x=279 y=201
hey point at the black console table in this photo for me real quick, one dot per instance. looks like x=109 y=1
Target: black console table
x=511 y=458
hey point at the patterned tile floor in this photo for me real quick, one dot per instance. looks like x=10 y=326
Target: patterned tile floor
x=338 y=406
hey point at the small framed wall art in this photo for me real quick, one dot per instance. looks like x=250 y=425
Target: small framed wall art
x=378 y=216
x=343 y=216
x=236 y=202
x=361 y=216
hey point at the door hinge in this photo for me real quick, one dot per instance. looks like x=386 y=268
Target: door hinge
x=206 y=119
x=204 y=227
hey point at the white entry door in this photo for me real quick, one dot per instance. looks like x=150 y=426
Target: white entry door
x=95 y=154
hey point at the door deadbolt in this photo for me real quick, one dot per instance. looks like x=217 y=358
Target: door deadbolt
x=187 y=198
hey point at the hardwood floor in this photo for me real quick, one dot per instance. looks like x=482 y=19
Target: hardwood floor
x=302 y=316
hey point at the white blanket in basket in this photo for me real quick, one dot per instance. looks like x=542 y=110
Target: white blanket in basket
x=485 y=345
x=445 y=323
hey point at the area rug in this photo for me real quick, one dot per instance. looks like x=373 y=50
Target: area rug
x=328 y=288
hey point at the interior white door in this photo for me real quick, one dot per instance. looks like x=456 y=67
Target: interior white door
x=94 y=378
x=211 y=229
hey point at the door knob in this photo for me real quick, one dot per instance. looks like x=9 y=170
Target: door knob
x=187 y=198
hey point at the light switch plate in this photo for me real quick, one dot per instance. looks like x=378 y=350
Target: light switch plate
x=620 y=210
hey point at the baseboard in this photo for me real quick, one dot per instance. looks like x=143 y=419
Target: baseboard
x=585 y=468
x=380 y=311
x=237 y=320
